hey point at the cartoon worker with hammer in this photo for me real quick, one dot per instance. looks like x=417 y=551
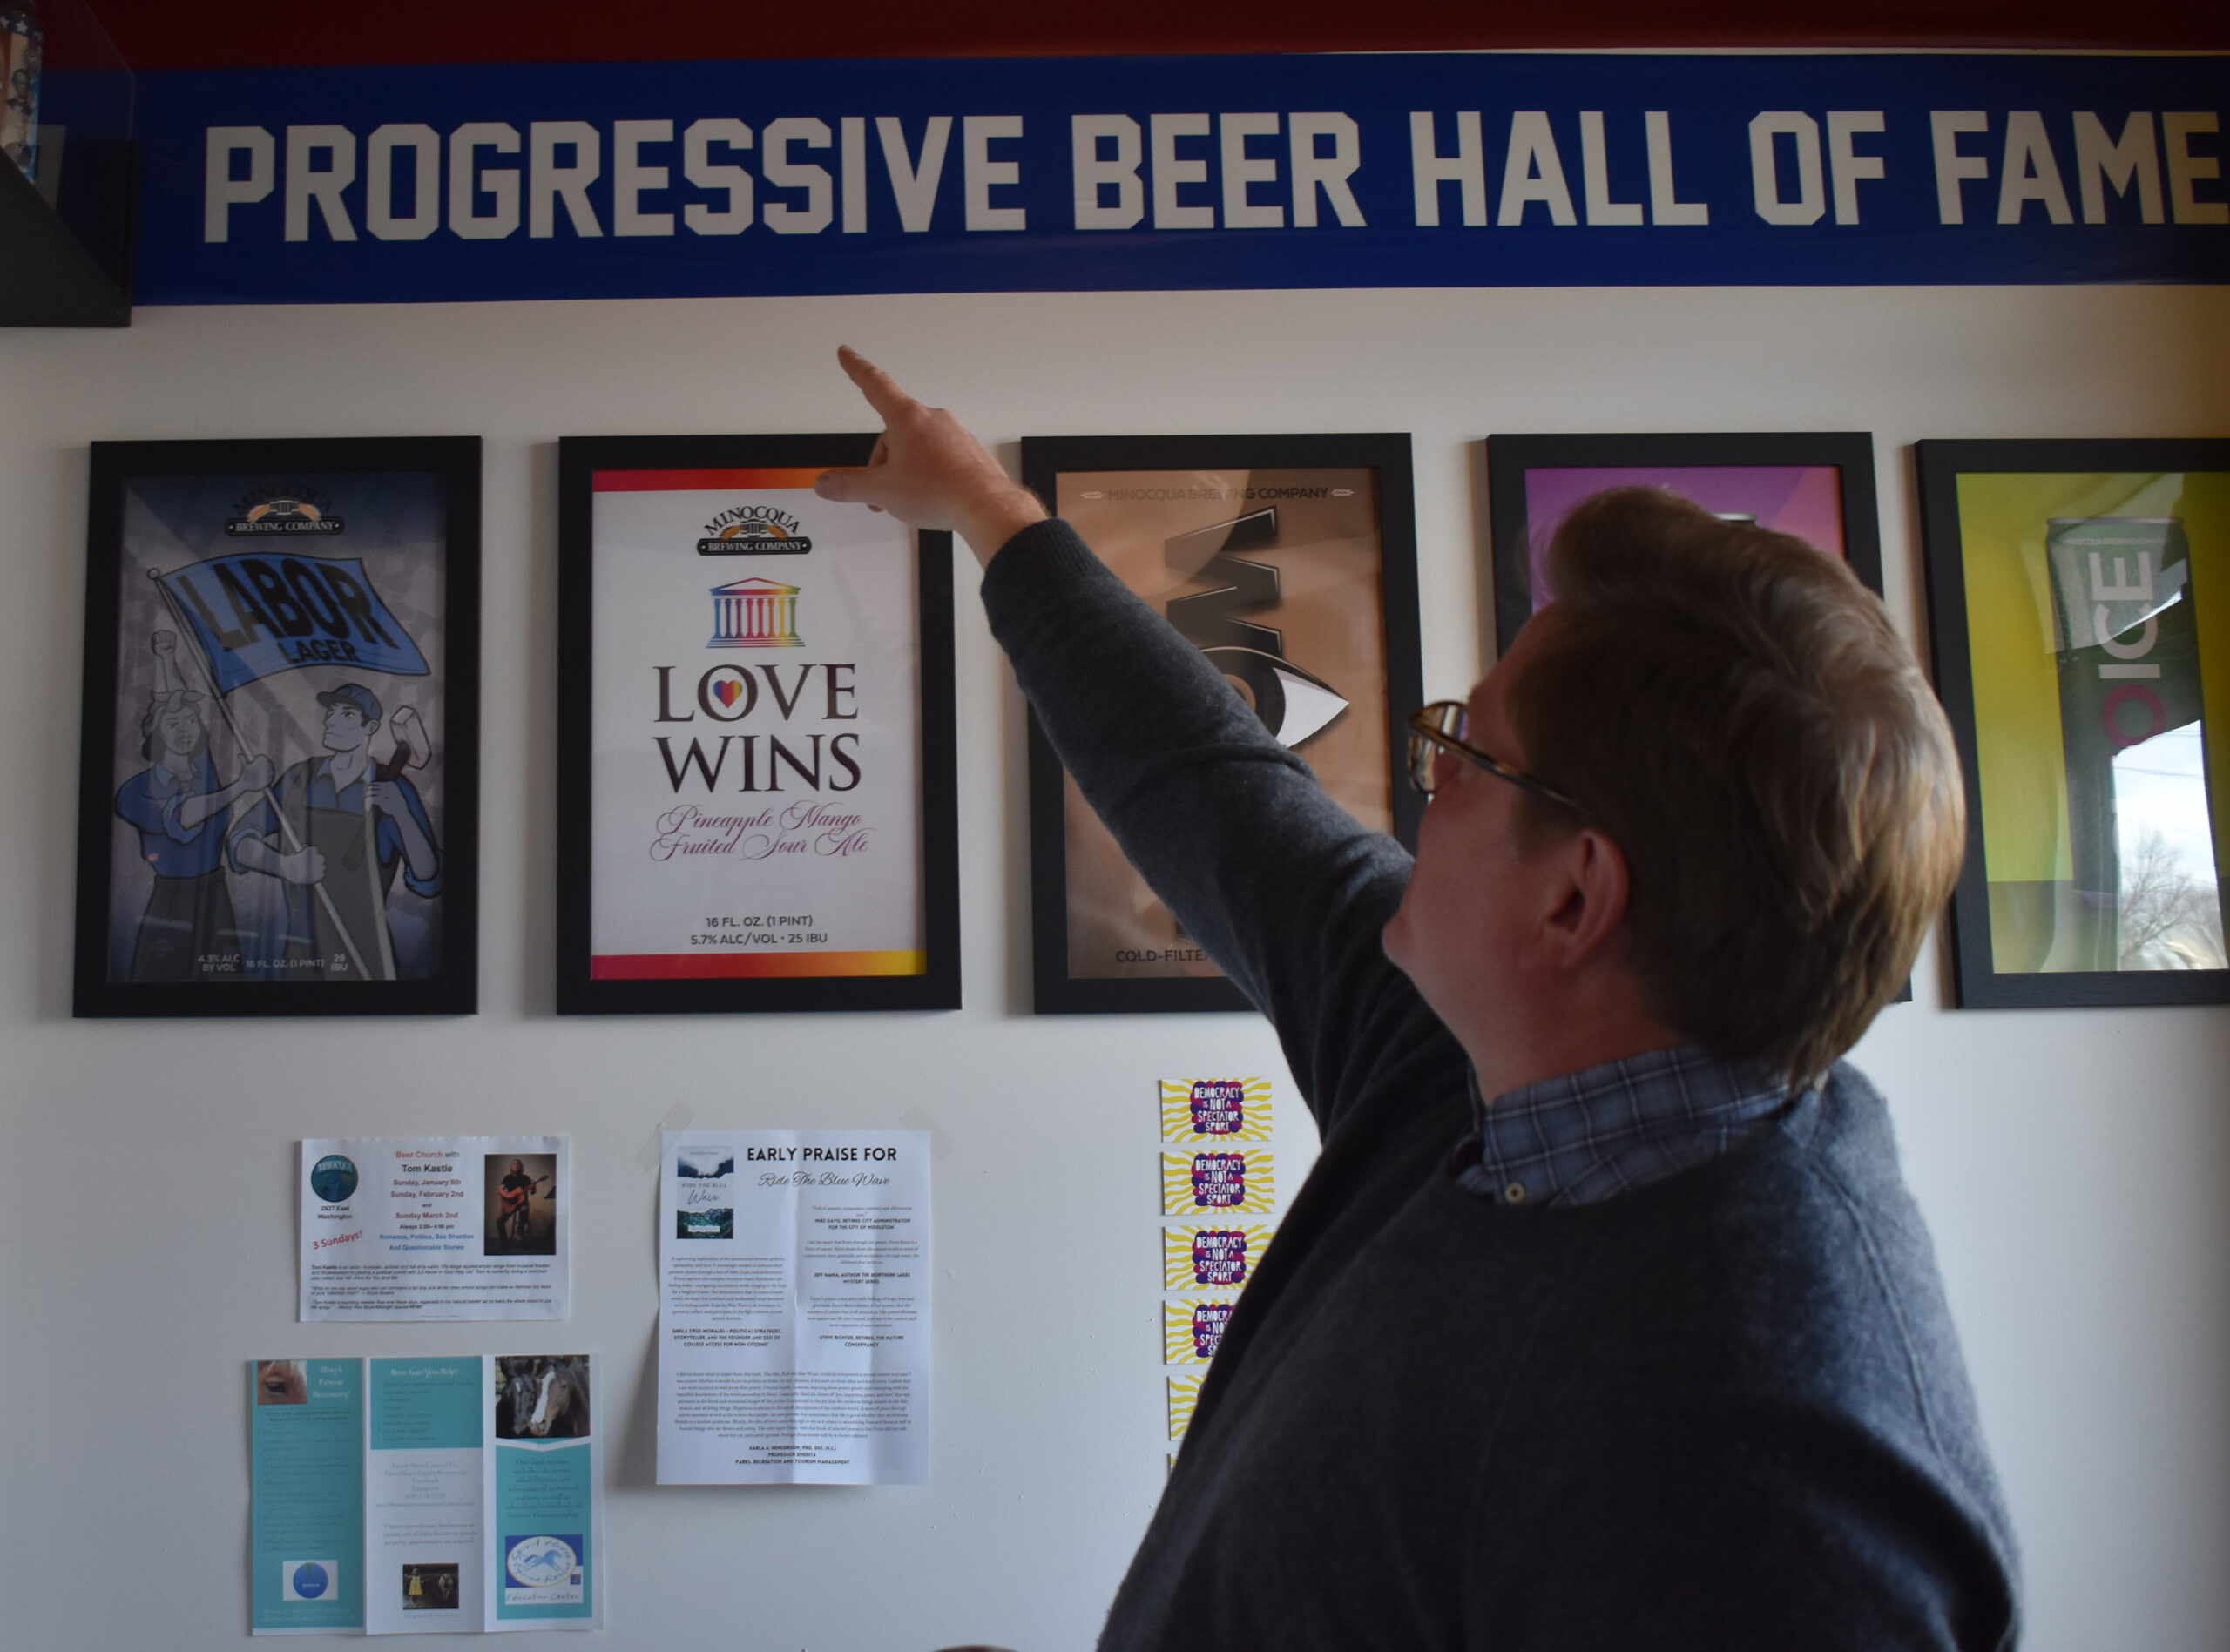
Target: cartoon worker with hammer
x=352 y=823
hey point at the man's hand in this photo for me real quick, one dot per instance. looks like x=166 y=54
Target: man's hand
x=928 y=471
x=303 y=866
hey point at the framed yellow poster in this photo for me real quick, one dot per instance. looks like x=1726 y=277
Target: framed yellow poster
x=2081 y=601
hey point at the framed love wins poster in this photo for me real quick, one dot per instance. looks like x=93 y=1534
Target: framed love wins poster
x=2078 y=591
x=1291 y=562
x=278 y=773
x=756 y=770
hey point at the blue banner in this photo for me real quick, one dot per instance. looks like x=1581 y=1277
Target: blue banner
x=640 y=180
x=257 y=612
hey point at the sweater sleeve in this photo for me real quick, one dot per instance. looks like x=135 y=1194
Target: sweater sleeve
x=1282 y=888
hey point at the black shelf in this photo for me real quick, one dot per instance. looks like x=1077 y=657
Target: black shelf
x=47 y=276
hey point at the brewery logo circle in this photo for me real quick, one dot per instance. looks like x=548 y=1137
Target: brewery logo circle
x=333 y=1178
x=538 y=1563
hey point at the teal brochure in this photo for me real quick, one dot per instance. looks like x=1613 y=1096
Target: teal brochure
x=544 y=1517
x=306 y=1434
x=423 y=1479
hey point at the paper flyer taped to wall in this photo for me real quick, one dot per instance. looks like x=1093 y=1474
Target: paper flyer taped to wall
x=448 y=1227
x=793 y=1308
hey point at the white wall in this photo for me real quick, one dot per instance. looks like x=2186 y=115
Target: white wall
x=2072 y=1164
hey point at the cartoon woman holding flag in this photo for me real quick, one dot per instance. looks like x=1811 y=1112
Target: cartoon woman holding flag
x=187 y=931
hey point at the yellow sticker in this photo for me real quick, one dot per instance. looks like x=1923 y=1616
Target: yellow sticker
x=1184 y=1394
x=1210 y=1259
x=1217 y=1181
x=1192 y=1329
x=1215 y=1109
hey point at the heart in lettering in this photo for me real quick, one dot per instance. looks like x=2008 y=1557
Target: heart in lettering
x=727 y=690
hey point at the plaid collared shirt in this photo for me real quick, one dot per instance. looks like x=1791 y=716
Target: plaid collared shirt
x=1594 y=1135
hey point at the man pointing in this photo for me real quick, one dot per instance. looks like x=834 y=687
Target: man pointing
x=1605 y=1320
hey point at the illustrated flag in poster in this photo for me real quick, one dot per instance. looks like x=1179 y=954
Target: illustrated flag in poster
x=254 y=613
x=1217 y=1181
x=1215 y=1109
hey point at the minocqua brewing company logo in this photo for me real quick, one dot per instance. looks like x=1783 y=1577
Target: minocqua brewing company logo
x=754 y=530
x=273 y=511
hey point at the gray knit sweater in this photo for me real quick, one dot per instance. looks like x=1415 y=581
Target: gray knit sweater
x=1725 y=1411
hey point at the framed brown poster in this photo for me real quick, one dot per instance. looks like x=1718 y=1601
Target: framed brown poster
x=1291 y=562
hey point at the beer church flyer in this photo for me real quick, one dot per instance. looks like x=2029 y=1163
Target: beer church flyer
x=755 y=828
x=448 y=1227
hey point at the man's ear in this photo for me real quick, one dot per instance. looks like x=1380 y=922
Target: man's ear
x=1590 y=892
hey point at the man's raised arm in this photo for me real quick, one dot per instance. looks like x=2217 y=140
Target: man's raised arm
x=1282 y=888
x=928 y=471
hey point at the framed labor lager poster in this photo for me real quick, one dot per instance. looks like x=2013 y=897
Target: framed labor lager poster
x=1291 y=562
x=756 y=789
x=2079 y=594
x=278 y=805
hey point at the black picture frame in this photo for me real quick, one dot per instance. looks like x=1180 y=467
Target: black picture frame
x=938 y=987
x=410 y=962
x=1954 y=537
x=1045 y=460
x=1510 y=458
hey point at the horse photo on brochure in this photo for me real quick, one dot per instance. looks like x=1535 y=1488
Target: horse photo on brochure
x=542 y=1396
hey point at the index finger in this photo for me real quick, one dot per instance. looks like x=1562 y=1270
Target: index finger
x=882 y=391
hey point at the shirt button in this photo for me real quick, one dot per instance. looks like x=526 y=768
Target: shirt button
x=1515 y=1193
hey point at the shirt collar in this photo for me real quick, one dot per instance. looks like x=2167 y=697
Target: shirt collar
x=1584 y=1137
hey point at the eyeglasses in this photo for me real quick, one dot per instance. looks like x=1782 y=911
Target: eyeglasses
x=1442 y=726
